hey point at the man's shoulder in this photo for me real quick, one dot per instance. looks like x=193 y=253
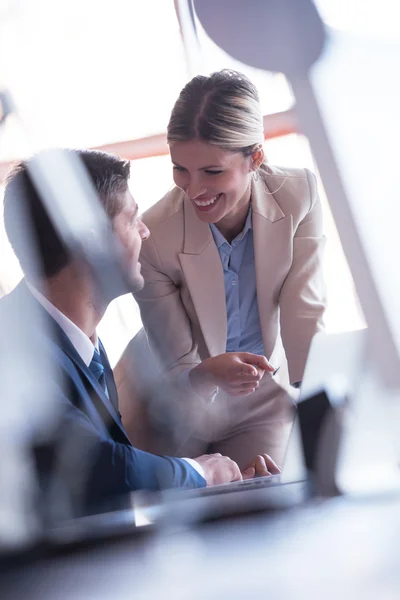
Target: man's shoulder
x=13 y=297
x=16 y=308
x=22 y=317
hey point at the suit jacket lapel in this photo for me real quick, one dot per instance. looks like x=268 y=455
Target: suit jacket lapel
x=270 y=229
x=110 y=416
x=61 y=340
x=204 y=275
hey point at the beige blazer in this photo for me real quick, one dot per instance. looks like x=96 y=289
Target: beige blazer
x=182 y=304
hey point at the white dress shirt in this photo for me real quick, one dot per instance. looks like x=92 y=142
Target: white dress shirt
x=82 y=343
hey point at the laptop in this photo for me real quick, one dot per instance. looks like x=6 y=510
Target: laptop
x=334 y=360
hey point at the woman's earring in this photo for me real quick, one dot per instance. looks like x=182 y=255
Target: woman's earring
x=256 y=175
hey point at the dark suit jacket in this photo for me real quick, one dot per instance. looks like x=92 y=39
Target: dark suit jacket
x=94 y=458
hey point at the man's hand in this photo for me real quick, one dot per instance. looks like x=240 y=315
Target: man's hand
x=261 y=466
x=237 y=373
x=218 y=469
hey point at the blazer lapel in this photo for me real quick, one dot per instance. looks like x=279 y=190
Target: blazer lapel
x=201 y=265
x=271 y=229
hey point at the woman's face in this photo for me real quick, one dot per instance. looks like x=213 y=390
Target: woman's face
x=216 y=181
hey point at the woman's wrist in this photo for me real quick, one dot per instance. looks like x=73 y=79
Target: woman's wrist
x=201 y=380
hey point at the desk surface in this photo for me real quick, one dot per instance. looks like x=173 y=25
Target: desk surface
x=347 y=548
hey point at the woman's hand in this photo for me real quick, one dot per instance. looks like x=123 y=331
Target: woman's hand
x=237 y=373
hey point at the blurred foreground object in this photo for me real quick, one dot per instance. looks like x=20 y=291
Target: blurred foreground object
x=289 y=37
x=26 y=427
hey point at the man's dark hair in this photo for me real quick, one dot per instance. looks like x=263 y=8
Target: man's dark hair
x=24 y=211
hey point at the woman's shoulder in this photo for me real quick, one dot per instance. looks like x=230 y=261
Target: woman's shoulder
x=165 y=220
x=294 y=189
x=291 y=176
x=169 y=207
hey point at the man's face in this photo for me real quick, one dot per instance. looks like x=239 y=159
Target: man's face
x=131 y=231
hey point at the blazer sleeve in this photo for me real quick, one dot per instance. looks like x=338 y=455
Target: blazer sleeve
x=164 y=317
x=302 y=298
x=92 y=467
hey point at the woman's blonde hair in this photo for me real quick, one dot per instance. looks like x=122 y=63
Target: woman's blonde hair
x=222 y=109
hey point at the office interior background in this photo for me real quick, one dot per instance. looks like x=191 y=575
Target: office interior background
x=100 y=74
x=77 y=82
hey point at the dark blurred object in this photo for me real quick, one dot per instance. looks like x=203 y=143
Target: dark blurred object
x=71 y=201
x=285 y=36
x=29 y=429
x=321 y=425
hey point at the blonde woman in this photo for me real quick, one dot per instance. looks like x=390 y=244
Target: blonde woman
x=232 y=269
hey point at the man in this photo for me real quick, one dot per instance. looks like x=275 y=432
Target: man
x=100 y=462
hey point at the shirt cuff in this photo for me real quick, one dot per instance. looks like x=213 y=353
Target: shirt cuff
x=193 y=463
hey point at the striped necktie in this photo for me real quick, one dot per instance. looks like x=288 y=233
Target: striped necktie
x=97 y=368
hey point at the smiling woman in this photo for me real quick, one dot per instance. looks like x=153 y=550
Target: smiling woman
x=216 y=181
x=232 y=269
